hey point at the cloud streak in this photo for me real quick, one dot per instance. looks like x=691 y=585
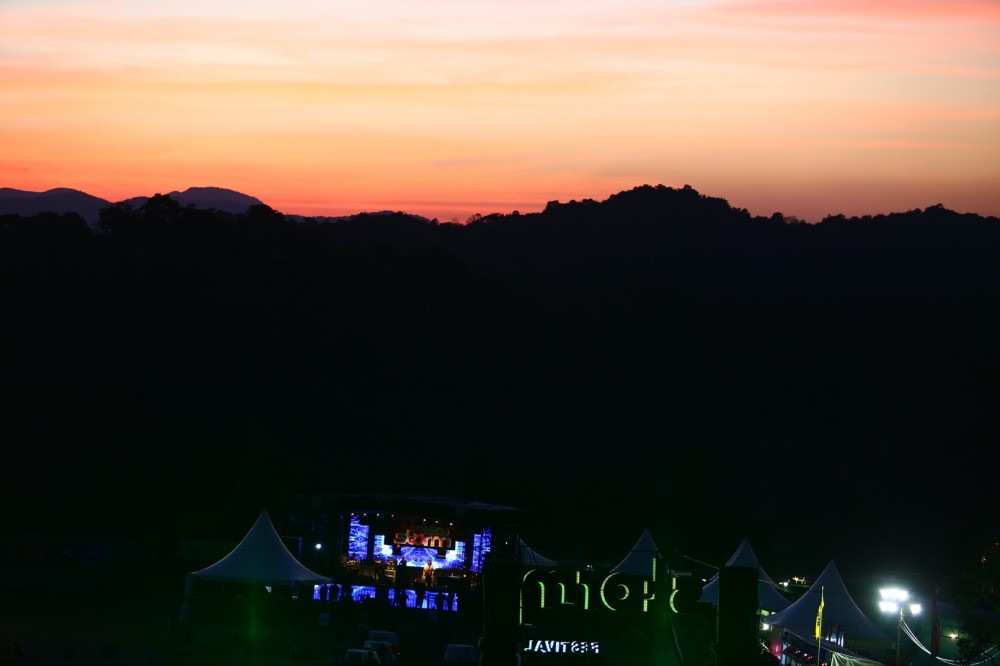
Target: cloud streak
x=341 y=105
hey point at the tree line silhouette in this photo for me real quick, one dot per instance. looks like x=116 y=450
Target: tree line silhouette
x=658 y=348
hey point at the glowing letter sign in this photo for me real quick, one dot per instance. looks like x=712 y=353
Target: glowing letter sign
x=552 y=591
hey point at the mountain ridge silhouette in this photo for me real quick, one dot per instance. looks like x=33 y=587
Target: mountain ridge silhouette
x=217 y=198
x=88 y=206
x=67 y=200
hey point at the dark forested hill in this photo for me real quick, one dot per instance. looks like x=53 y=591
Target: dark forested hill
x=657 y=359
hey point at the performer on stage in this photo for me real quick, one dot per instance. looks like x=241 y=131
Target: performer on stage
x=428 y=574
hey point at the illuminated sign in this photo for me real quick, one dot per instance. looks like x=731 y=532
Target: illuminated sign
x=569 y=647
x=555 y=590
x=428 y=535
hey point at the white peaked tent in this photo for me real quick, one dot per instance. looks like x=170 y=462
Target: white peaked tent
x=842 y=619
x=260 y=558
x=769 y=597
x=639 y=560
x=527 y=555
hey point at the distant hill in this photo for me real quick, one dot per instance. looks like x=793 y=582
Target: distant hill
x=218 y=198
x=58 y=200
x=65 y=200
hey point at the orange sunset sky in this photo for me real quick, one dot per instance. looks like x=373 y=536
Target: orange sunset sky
x=446 y=108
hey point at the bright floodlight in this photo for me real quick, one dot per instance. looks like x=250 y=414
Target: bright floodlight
x=319 y=546
x=888 y=606
x=892 y=598
x=894 y=594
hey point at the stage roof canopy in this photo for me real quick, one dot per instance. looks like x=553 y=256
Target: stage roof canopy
x=412 y=503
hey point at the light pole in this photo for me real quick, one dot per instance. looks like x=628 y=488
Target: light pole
x=893 y=601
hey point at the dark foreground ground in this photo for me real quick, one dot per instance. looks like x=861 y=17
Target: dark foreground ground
x=43 y=624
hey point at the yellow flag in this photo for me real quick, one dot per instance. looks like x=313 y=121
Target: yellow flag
x=819 y=615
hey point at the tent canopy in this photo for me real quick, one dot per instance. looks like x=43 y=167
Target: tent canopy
x=769 y=596
x=261 y=557
x=639 y=561
x=841 y=614
x=527 y=555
